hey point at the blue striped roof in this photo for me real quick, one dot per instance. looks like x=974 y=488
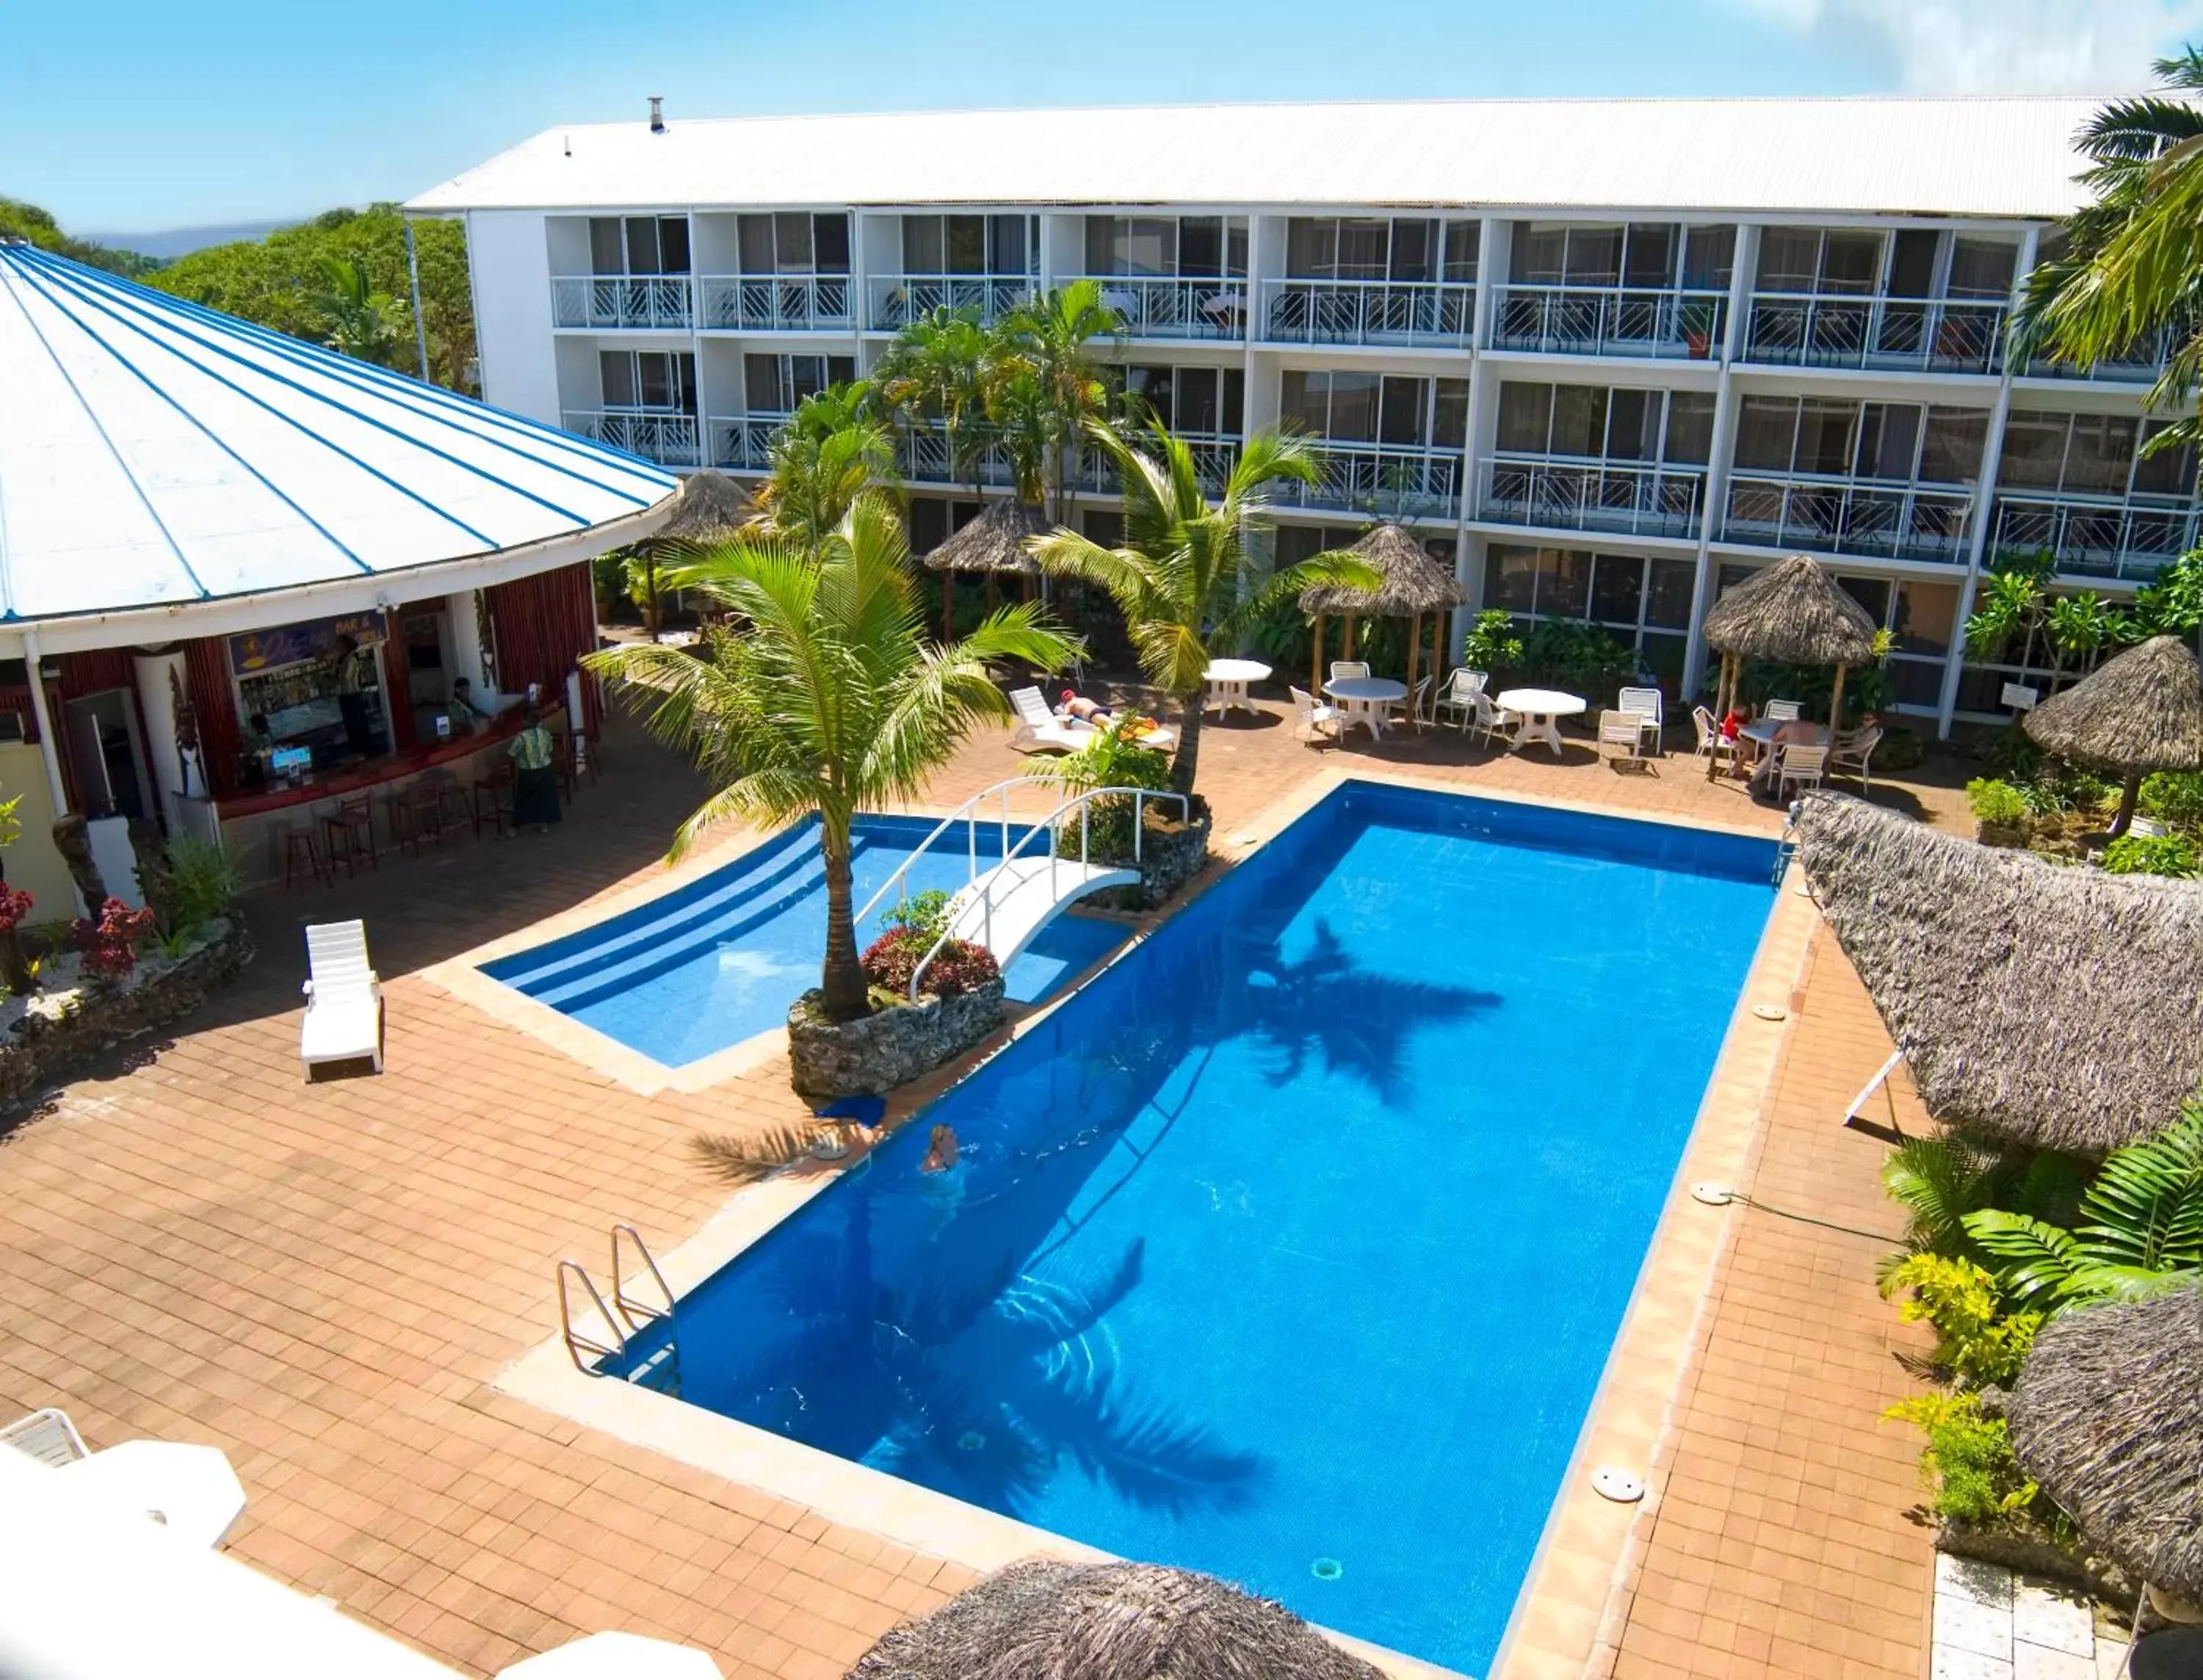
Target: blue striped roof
x=154 y=452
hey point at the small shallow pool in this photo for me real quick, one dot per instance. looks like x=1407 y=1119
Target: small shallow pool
x=699 y=969
x=1292 y=1247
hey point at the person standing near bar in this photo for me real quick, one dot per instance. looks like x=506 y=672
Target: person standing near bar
x=534 y=783
x=354 y=676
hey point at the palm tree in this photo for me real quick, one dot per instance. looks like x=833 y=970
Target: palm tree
x=1051 y=338
x=826 y=457
x=1184 y=579
x=938 y=369
x=363 y=323
x=831 y=700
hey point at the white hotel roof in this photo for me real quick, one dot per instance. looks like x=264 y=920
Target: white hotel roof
x=1998 y=157
x=157 y=458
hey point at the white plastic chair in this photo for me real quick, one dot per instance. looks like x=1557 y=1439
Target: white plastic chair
x=344 y=998
x=47 y=1435
x=1491 y=718
x=1783 y=711
x=1801 y=767
x=1411 y=709
x=1624 y=729
x=1038 y=727
x=1458 y=696
x=1854 y=754
x=1341 y=668
x=1710 y=742
x=1647 y=704
x=1311 y=718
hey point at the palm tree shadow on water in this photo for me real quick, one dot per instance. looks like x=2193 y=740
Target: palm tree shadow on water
x=949 y=1327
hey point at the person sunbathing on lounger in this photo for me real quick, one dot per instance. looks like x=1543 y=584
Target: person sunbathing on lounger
x=1084 y=710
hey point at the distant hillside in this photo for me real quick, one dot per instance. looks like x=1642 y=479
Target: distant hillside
x=28 y=222
x=169 y=244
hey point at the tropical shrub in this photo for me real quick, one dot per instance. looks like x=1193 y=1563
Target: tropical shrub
x=961 y=966
x=1491 y=644
x=2173 y=797
x=1974 y=1338
x=2139 y=1228
x=204 y=881
x=1938 y=1180
x=2170 y=855
x=925 y=913
x=1996 y=804
x=110 y=944
x=1578 y=658
x=1967 y=1460
x=1114 y=757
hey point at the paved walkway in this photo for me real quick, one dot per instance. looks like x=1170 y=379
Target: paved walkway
x=325 y=1279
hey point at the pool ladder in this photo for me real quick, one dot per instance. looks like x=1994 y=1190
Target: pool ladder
x=623 y=1318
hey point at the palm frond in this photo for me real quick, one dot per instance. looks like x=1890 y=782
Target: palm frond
x=744 y=1157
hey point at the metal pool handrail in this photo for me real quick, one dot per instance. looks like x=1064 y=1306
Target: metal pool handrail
x=1048 y=825
x=967 y=811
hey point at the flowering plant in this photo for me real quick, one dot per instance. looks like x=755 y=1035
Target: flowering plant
x=961 y=966
x=14 y=905
x=110 y=944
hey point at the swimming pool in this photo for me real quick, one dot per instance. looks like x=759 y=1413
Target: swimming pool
x=1290 y=1249
x=707 y=965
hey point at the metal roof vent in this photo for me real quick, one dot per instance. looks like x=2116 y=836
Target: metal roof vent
x=658 y=113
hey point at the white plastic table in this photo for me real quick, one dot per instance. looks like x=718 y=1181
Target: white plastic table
x=1760 y=732
x=1363 y=699
x=1540 y=711
x=1227 y=680
x=189 y=1490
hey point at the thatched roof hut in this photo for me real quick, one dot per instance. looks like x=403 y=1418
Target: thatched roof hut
x=1106 y=1622
x=1794 y=614
x=2139 y=712
x=1410 y=585
x=993 y=541
x=2043 y=1004
x=2108 y=1416
x=711 y=509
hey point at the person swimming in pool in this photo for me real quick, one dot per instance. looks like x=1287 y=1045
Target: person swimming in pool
x=942 y=1152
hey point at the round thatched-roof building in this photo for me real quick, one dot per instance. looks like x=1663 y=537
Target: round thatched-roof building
x=2108 y=1416
x=993 y=541
x=1046 y=1620
x=2040 y=1003
x=1794 y=614
x=711 y=509
x=1410 y=584
x=2139 y=712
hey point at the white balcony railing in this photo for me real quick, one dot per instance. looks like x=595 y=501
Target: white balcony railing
x=1368 y=312
x=1379 y=478
x=1606 y=320
x=1214 y=454
x=1148 y=306
x=894 y=301
x=743 y=443
x=1836 y=515
x=2097 y=538
x=655 y=434
x=922 y=456
x=659 y=303
x=1942 y=335
x=1624 y=497
x=774 y=302
x=2138 y=364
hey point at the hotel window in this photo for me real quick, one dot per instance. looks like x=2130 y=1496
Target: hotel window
x=660 y=381
x=1406 y=249
x=1195 y=246
x=2090 y=455
x=968 y=245
x=1211 y=400
x=793 y=242
x=1895 y=442
x=1639 y=256
x=1831 y=262
x=1643 y=604
x=639 y=244
x=778 y=383
x=1595 y=423
x=1388 y=409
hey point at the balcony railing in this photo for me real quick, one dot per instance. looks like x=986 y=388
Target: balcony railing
x=2138 y=364
x=2097 y=538
x=1158 y=307
x=659 y=303
x=922 y=456
x=1604 y=320
x=743 y=443
x=1942 y=335
x=1368 y=312
x=1375 y=479
x=774 y=302
x=1623 y=497
x=1888 y=522
x=655 y=434
x=1214 y=454
x=894 y=301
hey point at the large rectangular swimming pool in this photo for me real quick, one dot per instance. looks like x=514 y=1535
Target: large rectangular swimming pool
x=1292 y=1247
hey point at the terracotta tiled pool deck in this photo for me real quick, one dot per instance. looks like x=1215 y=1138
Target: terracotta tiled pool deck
x=326 y=1281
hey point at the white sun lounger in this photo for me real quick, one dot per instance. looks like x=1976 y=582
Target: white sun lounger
x=344 y=998
x=1038 y=727
x=47 y=1435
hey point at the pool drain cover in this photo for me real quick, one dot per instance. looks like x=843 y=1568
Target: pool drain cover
x=1610 y=1482
x=970 y=1441
x=1326 y=1569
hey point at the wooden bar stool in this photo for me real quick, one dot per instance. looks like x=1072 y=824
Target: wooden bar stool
x=349 y=833
x=301 y=838
x=440 y=802
x=493 y=796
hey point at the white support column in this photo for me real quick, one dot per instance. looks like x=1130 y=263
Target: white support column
x=49 y=742
x=175 y=777
x=464 y=610
x=1720 y=456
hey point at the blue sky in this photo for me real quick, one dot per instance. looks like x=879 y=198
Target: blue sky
x=134 y=116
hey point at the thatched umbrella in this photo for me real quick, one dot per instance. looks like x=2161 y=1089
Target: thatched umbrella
x=2108 y=1416
x=1793 y=613
x=2140 y=712
x=1106 y=1622
x=991 y=542
x=1411 y=584
x=2045 y=1004
x=710 y=509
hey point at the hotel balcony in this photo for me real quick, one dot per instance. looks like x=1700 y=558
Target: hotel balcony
x=743 y=443
x=1617 y=497
x=1383 y=313
x=1834 y=516
x=2096 y=537
x=1934 y=335
x=1214 y=454
x=1608 y=320
x=655 y=434
x=922 y=456
x=606 y=302
x=775 y=304
x=894 y=301
x=1373 y=479
x=2138 y=365
x=1161 y=307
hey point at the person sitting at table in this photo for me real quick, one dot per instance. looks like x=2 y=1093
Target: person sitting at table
x=534 y=783
x=1076 y=707
x=467 y=715
x=1796 y=732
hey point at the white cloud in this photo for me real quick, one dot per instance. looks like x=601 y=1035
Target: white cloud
x=1999 y=46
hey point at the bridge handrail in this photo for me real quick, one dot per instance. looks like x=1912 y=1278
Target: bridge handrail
x=1083 y=804
x=899 y=878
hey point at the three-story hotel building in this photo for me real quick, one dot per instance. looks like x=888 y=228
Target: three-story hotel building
x=1606 y=357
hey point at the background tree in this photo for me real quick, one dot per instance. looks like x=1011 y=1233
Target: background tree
x=938 y=369
x=823 y=462
x=1052 y=340
x=363 y=323
x=831 y=700
x=1185 y=579
x=28 y=222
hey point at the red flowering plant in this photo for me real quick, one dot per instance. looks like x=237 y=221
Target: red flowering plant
x=110 y=944
x=959 y=967
x=14 y=905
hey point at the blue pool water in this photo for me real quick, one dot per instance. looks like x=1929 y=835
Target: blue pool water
x=1290 y=1249
x=709 y=965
